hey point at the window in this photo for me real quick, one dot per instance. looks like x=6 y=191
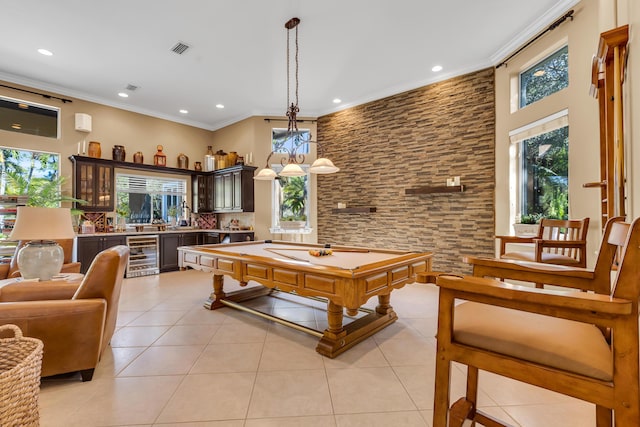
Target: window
x=28 y=117
x=291 y=200
x=543 y=172
x=142 y=199
x=283 y=141
x=545 y=78
x=32 y=173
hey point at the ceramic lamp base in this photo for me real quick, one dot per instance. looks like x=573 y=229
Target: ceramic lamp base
x=40 y=259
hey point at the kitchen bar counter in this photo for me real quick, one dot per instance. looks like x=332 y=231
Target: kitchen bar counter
x=153 y=230
x=154 y=251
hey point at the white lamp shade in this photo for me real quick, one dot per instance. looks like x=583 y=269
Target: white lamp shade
x=34 y=223
x=265 y=174
x=323 y=165
x=292 y=169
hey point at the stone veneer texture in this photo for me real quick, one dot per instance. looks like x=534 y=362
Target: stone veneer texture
x=412 y=139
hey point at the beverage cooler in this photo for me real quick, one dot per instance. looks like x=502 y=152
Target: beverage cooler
x=144 y=255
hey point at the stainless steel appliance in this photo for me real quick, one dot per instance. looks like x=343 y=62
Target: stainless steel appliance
x=144 y=255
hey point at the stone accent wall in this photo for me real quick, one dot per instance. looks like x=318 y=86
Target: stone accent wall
x=412 y=139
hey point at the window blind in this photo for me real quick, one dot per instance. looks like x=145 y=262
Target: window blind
x=544 y=125
x=140 y=184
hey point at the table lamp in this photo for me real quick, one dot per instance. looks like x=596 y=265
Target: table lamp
x=42 y=257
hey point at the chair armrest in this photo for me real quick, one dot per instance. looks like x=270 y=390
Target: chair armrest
x=37 y=291
x=551 y=274
x=543 y=301
x=504 y=240
x=71 y=267
x=4 y=270
x=70 y=330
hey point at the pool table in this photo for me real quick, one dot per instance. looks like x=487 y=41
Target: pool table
x=345 y=276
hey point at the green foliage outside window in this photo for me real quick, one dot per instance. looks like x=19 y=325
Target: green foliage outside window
x=545 y=175
x=546 y=77
x=294 y=198
x=34 y=174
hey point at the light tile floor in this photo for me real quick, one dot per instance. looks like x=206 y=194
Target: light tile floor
x=174 y=363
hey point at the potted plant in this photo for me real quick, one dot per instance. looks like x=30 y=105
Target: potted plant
x=172 y=214
x=527 y=225
x=122 y=211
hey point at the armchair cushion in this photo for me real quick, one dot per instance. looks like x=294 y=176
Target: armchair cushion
x=564 y=344
x=548 y=258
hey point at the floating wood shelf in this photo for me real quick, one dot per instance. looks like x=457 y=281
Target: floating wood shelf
x=354 y=210
x=435 y=189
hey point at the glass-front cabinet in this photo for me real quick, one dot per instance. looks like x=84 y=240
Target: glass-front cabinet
x=94 y=182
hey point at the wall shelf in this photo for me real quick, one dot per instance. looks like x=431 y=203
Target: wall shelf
x=435 y=189
x=354 y=210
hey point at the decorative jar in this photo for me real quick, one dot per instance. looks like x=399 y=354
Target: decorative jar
x=119 y=153
x=138 y=157
x=183 y=161
x=94 y=150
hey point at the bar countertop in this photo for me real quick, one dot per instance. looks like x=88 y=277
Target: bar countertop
x=153 y=230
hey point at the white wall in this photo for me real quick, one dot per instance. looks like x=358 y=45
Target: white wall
x=591 y=17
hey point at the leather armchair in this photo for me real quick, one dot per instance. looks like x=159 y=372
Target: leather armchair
x=10 y=270
x=74 y=320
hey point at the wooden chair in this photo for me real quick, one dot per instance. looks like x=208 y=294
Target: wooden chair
x=559 y=241
x=581 y=344
x=565 y=276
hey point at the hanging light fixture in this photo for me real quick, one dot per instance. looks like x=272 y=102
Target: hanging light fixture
x=291 y=163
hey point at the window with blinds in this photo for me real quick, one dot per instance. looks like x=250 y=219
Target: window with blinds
x=142 y=199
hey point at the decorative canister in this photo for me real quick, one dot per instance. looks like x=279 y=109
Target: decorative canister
x=209 y=160
x=94 y=149
x=221 y=159
x=240 y=160
x=183 y=161
x=197 y=166
x=232 y=157
x=138 y=157
x=119 y=153
x=160 y=159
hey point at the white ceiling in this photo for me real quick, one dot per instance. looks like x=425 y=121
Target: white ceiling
x=355 y=50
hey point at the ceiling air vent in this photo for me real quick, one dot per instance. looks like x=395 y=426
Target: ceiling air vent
x=180 y=48
x=131 y=87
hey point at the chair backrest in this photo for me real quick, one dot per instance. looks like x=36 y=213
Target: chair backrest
x=564 y=229
x=614 y=239
x=627 y=282
x=104 y=280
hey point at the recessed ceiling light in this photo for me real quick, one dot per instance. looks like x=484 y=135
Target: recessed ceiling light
x=437 y=68
x=45 y=52
x=123 y=94
x=337 y=100
x=184 y=111
x=219 y=106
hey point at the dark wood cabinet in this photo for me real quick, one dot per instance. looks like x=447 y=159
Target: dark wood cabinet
x=94 y=183
x=169 y=248
x=233 y=189
x=88 y=247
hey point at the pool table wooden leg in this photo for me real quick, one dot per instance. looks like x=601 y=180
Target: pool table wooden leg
x=384 y=306
x=217 y=295
x=334 y=319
